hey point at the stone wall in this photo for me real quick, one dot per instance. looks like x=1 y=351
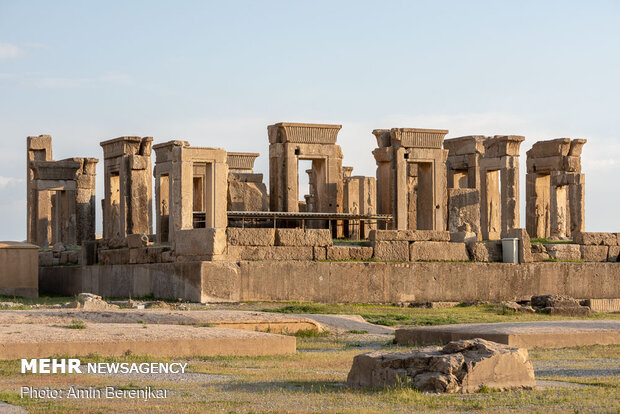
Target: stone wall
x=337 y=282
x=18 y=269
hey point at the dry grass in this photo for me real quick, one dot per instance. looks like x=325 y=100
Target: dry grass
x=313 y=380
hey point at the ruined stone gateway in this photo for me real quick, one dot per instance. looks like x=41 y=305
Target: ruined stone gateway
x=429 y=227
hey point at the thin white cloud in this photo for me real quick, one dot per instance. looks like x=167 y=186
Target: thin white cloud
x=116 y=78
x=5 y=181
x=10 y=51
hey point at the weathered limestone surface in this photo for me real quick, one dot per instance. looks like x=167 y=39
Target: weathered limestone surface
x=246 y=190
x=594 y=253
x=19 y=269
x=367 y=282
x=303 y=237
x=250 y=236
x=426 y=251
x=463 y=237
x=360 y=197
x=349 y=253
x=614 y=254
x=565 y=252
x=464 y=210
x=201 y=244
x=595 y=239
x=525 y=248
x=271 y=253
x=137 y=240
x=391 y=250
x=461 y=366
x=559 y=305
x=490 y=251
x=409 y=235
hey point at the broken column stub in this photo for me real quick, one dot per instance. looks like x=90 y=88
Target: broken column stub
x=411 y=177
x=60 y=196
x=555 y=204
x=127 y=206
x=463 y=366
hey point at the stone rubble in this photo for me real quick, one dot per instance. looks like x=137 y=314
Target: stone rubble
x=459 y=367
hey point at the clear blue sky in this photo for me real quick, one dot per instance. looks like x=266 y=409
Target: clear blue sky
x=217 y=73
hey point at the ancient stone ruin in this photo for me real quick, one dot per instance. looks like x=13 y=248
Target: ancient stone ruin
x=461 y=366
x=437 y=207
x=61 y=196
x=555 y=186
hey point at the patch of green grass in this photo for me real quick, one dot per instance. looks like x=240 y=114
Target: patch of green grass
x=311 y=333
x=349 y=242
x=299 y=308
x=357 y=332
x=75 y=324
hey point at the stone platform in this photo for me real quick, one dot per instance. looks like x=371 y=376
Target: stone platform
x=244 y=320
x=549 y=334
x=38 y=341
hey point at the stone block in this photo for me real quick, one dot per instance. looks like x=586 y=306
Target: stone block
x=463 y=237
x=461 y=366
x=613 y=254
x=135 y=241
x=603 y=305
x=463 y=210
x=146 y=255
x=540 y=257
x=525 y=248
x=89 y=252
x=272 y=252
x=409 y=235
x=349 y=253
x=391 y=250
x=200 y=242
x=595 y=239
x=490 y=251
x=301 y=237
x=320 y=253
x=594 y=253
x=427 y=251
x=247 y=196
x=114 y=256
x=564 y=252
x=250 y=236
x=46 y=259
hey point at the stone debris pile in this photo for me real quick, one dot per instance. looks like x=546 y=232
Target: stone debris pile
x=459 y=367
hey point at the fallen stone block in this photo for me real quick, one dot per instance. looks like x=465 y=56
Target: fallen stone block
x=564 y=252
x=391 y=250
x=461 y=366
x=113 y=256
x=250 y=236
x=515 y=307
x=301 y=237
x=349 y=253
x=594 y=253
x=46 y=259
x=427 y=251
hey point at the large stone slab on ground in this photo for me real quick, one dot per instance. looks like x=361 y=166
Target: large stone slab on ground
x=547 y=334
x=391 y=250
x=461 y=366
x=603 y=305
x=39 y=341
x=245 y=320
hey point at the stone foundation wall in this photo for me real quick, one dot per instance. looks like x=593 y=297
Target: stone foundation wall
x=364 y=282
